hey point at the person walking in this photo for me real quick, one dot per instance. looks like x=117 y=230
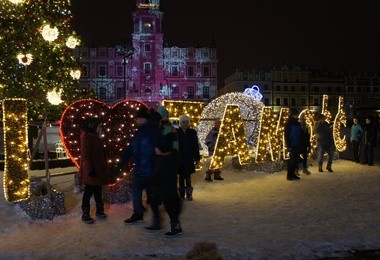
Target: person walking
x=189 y=155
x=325 y=143
x=141 y=150
x=166 y=126
x=164 y=181
x=304 y=145
x=210 y=142
x=370 y=139
x=292 y=135
x=93 y=170
x=356 y=135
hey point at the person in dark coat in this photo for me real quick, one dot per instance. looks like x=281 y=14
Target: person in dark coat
x=164 y=181
x=141 y=150
x=93 y=171
x=210 y=141
x=189 y=155
x=325 y=142
x=370 y=139
x=292 y=135
x=304 y=145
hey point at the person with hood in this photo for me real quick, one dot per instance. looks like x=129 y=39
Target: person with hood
x=370 y=139
x=189 y=156
x=292 y=135
x=93 y=170
x=210 y=141
x=356 y=135
x=141 y=150
x=325 y=142
x=164 y=181
x=166 y=126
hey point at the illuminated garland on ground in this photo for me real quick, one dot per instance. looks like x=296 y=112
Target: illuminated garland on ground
x=190 y=108
x=231 y=138
x=118 y=125
x=340 y=119
x=271 y=134
x=16 y=165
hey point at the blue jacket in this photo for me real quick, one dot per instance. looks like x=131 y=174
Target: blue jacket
x=292 y=133
x=356 y=133
x=141 y=150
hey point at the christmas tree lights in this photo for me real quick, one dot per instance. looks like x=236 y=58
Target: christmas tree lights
x=192 y=109
x=16 y=160
x=231 y=138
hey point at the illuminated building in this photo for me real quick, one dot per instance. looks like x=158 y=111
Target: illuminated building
x=153 y=72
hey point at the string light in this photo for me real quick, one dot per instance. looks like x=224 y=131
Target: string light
x=54 y=97
x=72 y=42
x=191 y=108
x=49 y=33
x=16 y=161
x=340 y=119
x=25 y=59
x=75 y=74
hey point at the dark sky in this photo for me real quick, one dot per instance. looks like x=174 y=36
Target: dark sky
x=331 y=34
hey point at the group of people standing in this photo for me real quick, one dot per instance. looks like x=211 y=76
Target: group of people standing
x=160 y=153
x=297 y=142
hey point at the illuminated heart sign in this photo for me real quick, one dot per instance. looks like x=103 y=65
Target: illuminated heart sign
x=118 y=126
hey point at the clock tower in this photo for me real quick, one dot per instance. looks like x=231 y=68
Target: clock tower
x=147 y=39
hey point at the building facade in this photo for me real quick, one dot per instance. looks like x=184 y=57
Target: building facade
x=146 y=70
x=302 y=88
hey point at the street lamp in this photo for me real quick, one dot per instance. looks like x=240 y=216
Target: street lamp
x=125 y=51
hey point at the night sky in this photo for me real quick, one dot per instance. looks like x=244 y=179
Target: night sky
x=320 y=34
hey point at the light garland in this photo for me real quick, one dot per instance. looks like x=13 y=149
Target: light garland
x=75 y=74
x=231 y=138
x=17 y=1
x=25 y=59
x=191 y=108
x=54 y=97
x=271 y=134
x=16 y=160
x=118 y=125
x=340 y=119
x=49 y=33
x=325 y=111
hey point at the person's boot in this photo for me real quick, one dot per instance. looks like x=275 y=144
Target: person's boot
x=329 y=169
x=189 y=193
x=175 y=230
x=208 y=176
x=320 y=168
x=156 y=225
x=306 y=171
x=181 y=191
x=100 y=211
x=135 y=218
x=217 y=175
x=86 y=215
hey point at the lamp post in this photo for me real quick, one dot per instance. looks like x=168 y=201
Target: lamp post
x=125 y=51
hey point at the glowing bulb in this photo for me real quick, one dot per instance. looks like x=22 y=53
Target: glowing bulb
x=49 y=34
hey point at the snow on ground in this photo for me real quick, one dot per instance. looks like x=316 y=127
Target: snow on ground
x=249 y=215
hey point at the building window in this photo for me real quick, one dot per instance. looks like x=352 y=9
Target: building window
x=266 y=87
x=285 y=88
x=359 y=89
x=350 y=89
x=190 y=54
x=278 y=88
x=303 y=88
x=174 y=71
x=206 y=71
x=174 y=54
x=119 y=71
x=375 y=89
x=329 y=89
x=316 y=89
x=174 y=91
x=119 y=93
x=85 y=71
x=190 y=71
x=102 y=54
x=303 y=102
x=368 y=89
x=147 y=68
x=206 y=92
x=102 y=71
x=338 y=89
x=205 y=54
x=190 y=91
x=147 y=47
x=293 y=88
x=286 y=103
x=266 y=102
x=278 y=101
x=293 y=102
x=102 y=93
x=316 y=102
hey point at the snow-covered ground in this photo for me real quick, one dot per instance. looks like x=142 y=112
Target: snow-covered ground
x=249 y=215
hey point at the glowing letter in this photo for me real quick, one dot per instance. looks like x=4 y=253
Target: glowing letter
x=16 y=161
x=231 y=138
x=340 y=119
x=271 y=134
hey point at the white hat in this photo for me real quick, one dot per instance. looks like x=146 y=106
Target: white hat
x=184 y=118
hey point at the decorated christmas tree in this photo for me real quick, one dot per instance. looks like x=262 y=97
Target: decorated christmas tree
x=37 y=56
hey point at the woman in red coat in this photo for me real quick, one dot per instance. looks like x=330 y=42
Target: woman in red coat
x=93 y=169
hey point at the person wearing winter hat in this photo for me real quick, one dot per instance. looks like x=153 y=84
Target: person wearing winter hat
x=164 y=182
x=189 y=154
x=93 y=170
x=141 y=150
x=166 y=126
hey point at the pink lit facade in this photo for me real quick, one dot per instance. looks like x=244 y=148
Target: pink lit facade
x=153 y=72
